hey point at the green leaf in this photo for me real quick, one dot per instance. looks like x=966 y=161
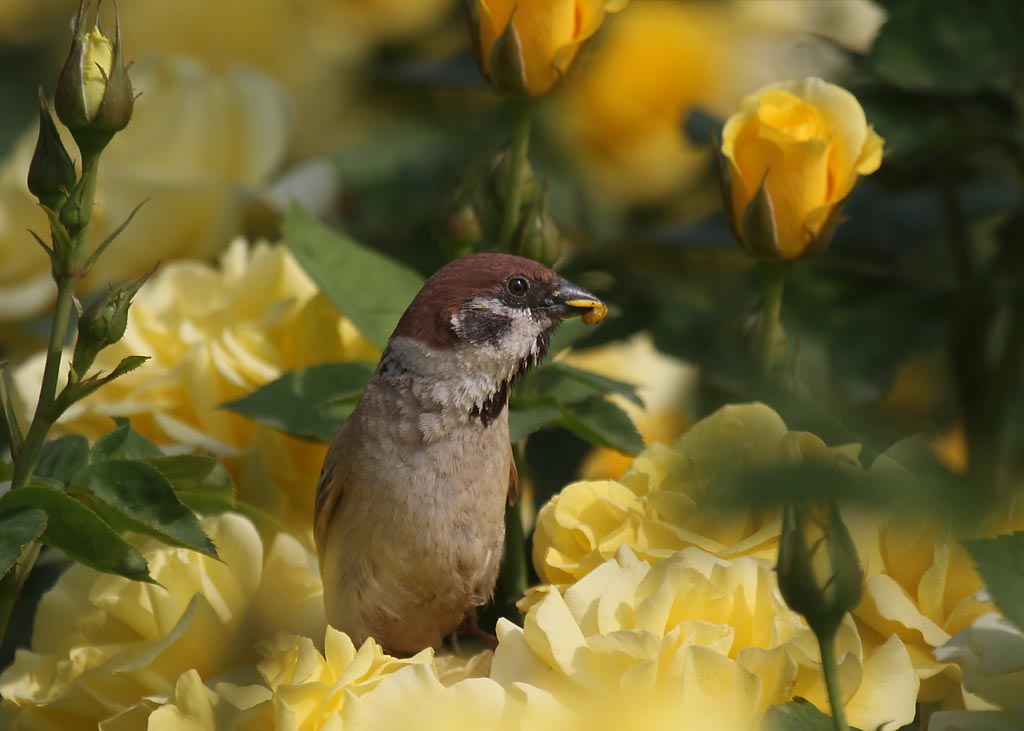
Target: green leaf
x=78 y=531
x=201 y=483
x=603 y=424
x=524 y=417
x=568 y=385
x=310 y=403
x=1000 y=562
x=135 y=496
x=6 y=471
x=62 y=458
x=18 y=528
x=123 y=443
x=190 y=472
x=798 y=715
x=370 y=289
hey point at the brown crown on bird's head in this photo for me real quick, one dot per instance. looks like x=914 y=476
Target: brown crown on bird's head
x=472 y=299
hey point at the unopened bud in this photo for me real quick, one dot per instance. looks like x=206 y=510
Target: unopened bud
x=51 y=174
x=500 y=182
x=540 y=239
x=103 y=323
x=819 y=573
x=94 y=96
x=458 y=228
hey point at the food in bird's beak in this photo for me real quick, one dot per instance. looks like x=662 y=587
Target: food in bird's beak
x=596 y=310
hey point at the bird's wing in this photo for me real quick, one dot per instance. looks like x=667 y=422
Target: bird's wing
x=329 y=490
x=513 y=479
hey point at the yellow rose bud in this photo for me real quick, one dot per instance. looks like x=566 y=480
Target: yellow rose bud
x=94 y=97
x=524 y=47
x=99 y=55
x=794 y=152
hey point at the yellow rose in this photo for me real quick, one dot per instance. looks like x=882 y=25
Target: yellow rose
x=537 y=39
x=103 y=644
x=368 y=690
x=200 y=148
x=309 y=688
x=622 y=116
x=795 y=151
x=214 y=334
x=713 y=633
x=662 y=502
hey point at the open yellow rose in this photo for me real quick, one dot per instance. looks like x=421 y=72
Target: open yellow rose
x=526 y=46
x=661 y=504
x=794 y=152
x=714 y=634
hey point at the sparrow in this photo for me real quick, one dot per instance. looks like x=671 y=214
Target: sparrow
x=409 y=523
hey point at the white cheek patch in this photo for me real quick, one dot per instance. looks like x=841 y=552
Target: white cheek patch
x=469 y=375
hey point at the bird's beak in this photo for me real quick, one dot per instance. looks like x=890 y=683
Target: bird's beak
x=568 y=300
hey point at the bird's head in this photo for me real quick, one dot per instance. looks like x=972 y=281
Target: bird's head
x=486 y=318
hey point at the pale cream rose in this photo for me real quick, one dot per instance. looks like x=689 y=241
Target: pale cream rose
x=921 y=584
x=714 y=633
x=664 y=384
x=975 y=721
x=301 y=688
x=214 y=334
x=414 y=698
x=198 y=707
x=201 y=147
x=664 y=501
x=103 y=645
x=313 y=690
x=991 y=652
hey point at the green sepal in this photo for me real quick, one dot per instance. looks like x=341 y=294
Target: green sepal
x=508 y=66
x=51 y=174
x=759 y=234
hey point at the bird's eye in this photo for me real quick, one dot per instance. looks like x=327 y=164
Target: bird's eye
x=517 y=286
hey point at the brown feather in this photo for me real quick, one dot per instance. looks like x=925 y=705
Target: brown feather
x=329 y=490
x=513 y=480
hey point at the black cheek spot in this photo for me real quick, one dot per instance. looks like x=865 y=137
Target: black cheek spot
x=480 y=325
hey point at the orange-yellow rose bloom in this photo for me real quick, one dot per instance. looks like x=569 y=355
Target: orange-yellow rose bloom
x=806 y=142
x=544 y=38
